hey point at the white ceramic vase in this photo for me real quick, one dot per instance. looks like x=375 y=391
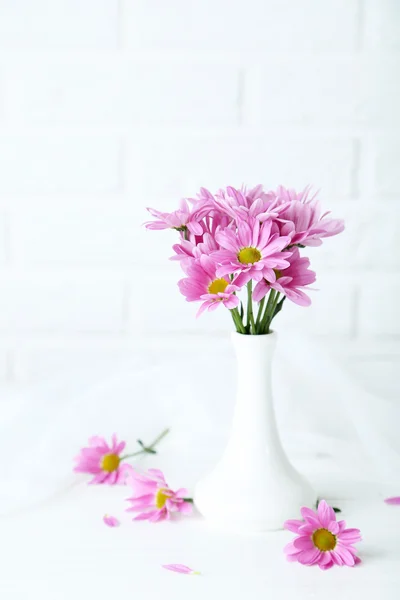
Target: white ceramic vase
x=253 y=487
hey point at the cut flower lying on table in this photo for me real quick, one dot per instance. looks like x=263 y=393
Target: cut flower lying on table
x=105 y=462
x=153 y=499
x=238 y=239
x=321 y=540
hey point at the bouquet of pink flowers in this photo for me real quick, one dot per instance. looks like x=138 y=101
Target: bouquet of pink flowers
x=247 y=238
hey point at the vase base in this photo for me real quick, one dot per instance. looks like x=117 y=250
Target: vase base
x=264 y=506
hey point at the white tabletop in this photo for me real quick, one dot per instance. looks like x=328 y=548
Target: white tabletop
x=62 y=550
x=55 y=546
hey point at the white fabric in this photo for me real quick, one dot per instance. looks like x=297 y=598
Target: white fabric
x=345 y=440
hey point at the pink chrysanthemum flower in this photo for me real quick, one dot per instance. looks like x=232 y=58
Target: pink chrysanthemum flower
x=253 y=252
x=243 y=204
x=321 y=540
x=289 y=281
x=102 y=461
x=203 y=283
x=180 y=219
x=305 y=214
x=152 y=493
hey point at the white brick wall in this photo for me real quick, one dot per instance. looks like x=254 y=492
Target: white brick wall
x=108 y=106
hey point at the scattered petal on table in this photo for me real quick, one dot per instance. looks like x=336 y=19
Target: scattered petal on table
x=110 y=521
x=394 y=500
x=181 y=569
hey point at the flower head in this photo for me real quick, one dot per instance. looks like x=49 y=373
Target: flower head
x=304 y=212
x=243 y=204
x=153 y=496
x=204 y=284
x=289 y=281
x=321 y=540
x=251 y=252
x=102 y=460
x=180 y=219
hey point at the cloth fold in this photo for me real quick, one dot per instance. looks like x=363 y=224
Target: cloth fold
x=321 y=412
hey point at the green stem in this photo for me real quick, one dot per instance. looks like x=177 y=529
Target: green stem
x=260 y=309
x=238 y=321
x=250 y=318
x=188 y=500
x=265 y=318
x=146 y=449
x=274 y=306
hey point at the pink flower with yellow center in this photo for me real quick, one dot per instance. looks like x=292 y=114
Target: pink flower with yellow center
x=321 y=540
x=251 y=252
x=289 y=281
x=154 y=499
x=203 y=283
x=103 y=461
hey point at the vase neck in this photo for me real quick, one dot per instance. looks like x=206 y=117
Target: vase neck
x=254 y=354
x=254 y=420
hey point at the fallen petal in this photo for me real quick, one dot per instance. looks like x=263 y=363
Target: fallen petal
x=394 y=500
x=180 y=569
x=110 y=521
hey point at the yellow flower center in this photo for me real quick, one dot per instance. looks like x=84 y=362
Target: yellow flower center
x=161 y=498
x=218 y=285
x=249 y=256
x=110 y=462
x=324 y=540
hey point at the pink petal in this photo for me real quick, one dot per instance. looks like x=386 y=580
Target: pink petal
x=336 y=558
x=345 y=555
x=158 y=475
x=97 y=441
x=182 y=493
x=291 y=549
x=195 y=228
x=123 y=471
x=342 y=525
x=326 y=566
x=306 y=529
x=333 y=527
x=307 y=513
x=159 y=515
x=303 y=543
x=137 y=503
x=145 y=515
x=325 y=513
x=110 y=521
x=180 y=569
x=112 y=478
x=292 y=557
x=293 y=525
x=395 y=500
x=350 y=536
x=309 y=557
x=100 y=478
x=310 y=516
x=185 y=508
